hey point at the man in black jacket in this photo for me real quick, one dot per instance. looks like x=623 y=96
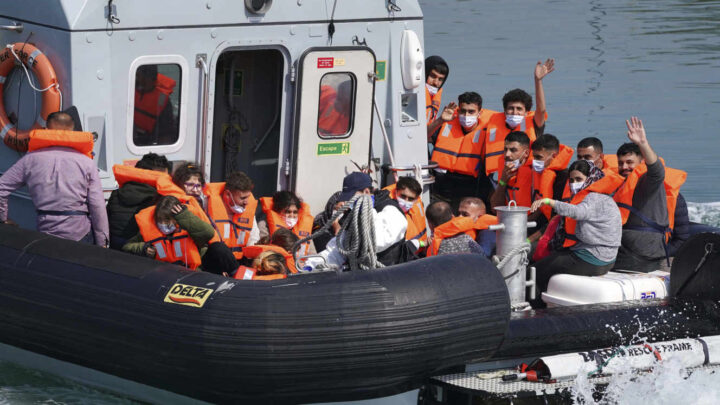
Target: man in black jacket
x=129 y=199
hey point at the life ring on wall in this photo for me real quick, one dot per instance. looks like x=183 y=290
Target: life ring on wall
x=32 y=58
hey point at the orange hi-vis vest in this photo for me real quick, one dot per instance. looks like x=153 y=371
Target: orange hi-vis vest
x=606 y=185
x=545 y=181
x=177 y=248
x=254 y=251
x=45 y=138
x=609 y=163
x=674 y=179
x=417 y=228
x=124 y=174
x=303 y=227
x=235 y=231
x=520 y=187
x=165 y=187
x=432 y=105
x=456 y=226
x=148 y=106
x=495 y=133
x=457 y=151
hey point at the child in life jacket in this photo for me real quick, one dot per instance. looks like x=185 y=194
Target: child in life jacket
x=171 y=232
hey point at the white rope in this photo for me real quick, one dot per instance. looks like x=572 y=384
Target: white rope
x=30 y=81
x=521 y=250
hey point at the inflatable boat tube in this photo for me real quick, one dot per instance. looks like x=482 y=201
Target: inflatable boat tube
x=587 y=327
x=307 y=338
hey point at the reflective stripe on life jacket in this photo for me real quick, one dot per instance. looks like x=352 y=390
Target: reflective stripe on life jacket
x=77 y=140
x=303 y=227
x=432 y=105
x=457 y=151
x=124 y=174
x=456 y=226
x=607 y=185
x=148 y=106
x=545 y=181
x=165 y=186
x=177 y=248
x=254 y=251
x=235 y=231
x=417 y=228
x=495 y=133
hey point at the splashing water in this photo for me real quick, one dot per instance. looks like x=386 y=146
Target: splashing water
x=705 y=213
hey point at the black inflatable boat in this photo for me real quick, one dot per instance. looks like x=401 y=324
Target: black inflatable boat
x=308 y=338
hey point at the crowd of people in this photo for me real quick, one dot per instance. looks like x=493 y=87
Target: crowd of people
x=593 y=214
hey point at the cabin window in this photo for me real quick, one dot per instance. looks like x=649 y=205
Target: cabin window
x=156 y=113
x=335 y=110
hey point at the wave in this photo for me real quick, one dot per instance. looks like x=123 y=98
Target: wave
x=705 y=213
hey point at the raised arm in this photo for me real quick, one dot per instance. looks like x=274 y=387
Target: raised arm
x=636 y=134
x=541 y=70
x=447 y=115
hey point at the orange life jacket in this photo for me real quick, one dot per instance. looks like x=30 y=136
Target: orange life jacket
x=303 y=227
x=495 y=133
x=330 y=121
x=606 y=185
x=235 y=231
x=248 y=273
x=124 y=174
x=177 y=248
x=609 y=163
x=456 y=151
x=521 y=187
x=432 y=104
x=415 y=217
x=456 y=226
x=148 y=106
x=545 y=181
x=45 y=138
x=254 y=251
x=674 y=179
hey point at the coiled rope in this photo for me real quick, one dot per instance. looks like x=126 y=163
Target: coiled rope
x=522 y=251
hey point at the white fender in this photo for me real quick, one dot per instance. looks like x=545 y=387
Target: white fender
x=412 y=60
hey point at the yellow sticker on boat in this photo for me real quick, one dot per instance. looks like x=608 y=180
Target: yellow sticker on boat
x=333 y=148
x=189 y=295
x=339 y=61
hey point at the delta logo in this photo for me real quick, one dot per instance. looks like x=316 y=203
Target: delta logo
x=189 y=295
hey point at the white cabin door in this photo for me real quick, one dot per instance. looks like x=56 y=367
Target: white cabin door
x=334 y=107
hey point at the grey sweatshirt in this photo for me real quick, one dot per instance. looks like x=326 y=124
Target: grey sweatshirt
x=599 y=226
x=461 y=243
x=649 y=198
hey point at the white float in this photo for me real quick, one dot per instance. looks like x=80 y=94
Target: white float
x=567 y=289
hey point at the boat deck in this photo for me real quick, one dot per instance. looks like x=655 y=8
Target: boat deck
x=489 y=384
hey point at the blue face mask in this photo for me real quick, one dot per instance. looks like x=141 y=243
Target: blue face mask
x=166 y=229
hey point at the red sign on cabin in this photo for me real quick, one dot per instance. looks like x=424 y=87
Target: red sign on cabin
x=325 y=63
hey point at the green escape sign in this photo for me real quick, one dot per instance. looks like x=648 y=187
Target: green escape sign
x=334 y=148
x=380 y=68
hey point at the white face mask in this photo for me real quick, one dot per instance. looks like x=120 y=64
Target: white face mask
x=538 y=165
x=405 y=205
x=576 y=187
x=238 y=209
x=514 y=120
x=516 y=163
x=291 y=222
x=467 y=121
x=431 y=89
x=166 y=229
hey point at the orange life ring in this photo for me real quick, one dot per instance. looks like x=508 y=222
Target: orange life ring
x=34 y=59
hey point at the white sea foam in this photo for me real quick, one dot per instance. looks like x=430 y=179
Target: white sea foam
x=705 y=213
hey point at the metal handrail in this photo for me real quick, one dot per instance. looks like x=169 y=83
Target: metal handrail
x=431 y=165
x=16 y=27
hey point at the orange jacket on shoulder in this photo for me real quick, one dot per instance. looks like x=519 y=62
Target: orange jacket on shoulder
x=124 y=174
x=432 y=105
x=233 y=230
x=607 y=185
x=456 y=226
x=303 y=227
x=148 y=106
x=495 y=133
x=545 y=181
x=254 y=251
x=176 y=248
x=45 y=138
x=417 y=228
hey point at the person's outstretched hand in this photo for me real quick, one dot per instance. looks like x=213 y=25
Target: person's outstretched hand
x=543 y=69
x=636 y=131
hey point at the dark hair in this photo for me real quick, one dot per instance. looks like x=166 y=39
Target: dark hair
x=284 y=238
x=546 y=142
x=238 y=181
x=438 y=213
x=149 y=71
x=153 y=161
x=284 y=199
x=437 y=64
x=580 y=165
x=593 y=142
x=470 y=97
x=519 y=137
x=270 y=263
x=164 y=206
x=518 y=95
x=627 y=148
x=60 y=118
x=185 y=171
x=409 y=183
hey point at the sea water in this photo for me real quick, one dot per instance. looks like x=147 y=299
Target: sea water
x=655 y=59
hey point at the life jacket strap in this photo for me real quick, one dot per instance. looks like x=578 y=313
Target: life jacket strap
x=62 y=213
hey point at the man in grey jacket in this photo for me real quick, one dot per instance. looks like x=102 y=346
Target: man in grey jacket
x=642 y=248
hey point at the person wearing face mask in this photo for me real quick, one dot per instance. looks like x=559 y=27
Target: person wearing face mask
x=516 y=116
x=647 y=201
x=550 y=162
x=172 y=232
x=515 y=182
x=592 y=230
x=591 y=149
x=231 y=208
x=331 y=207
x=436 y=73
x=407 y=192
x=191 y=180
x=458 y=150
x=286 y=210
